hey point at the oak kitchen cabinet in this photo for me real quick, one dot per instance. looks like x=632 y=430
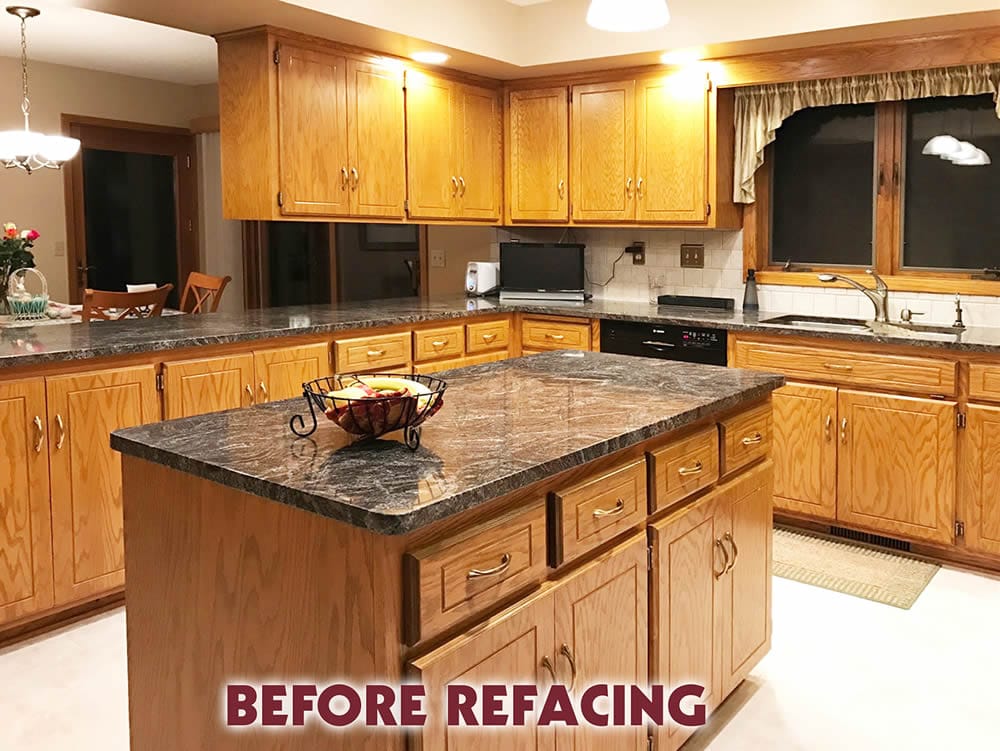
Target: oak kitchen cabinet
x=981 y=473
x=805 y=479
x=537 y=155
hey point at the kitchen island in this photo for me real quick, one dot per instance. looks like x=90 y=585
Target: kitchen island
x=568 y=517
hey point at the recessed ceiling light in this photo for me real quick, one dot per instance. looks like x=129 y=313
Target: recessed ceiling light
x=628 y=15
x=430 y=57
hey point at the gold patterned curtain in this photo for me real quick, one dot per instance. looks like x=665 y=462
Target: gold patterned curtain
x=760 y=110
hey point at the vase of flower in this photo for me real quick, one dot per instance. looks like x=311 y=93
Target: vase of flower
x=15 y=253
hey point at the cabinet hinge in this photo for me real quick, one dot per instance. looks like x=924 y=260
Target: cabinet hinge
x=159 y=381
x=277 y=56
x=650 y=743
x=189 y=161
x=649 y=557
x=281 y=199
x=708 y=84
x=959 y=529
x=961 y=420
x=708 y=209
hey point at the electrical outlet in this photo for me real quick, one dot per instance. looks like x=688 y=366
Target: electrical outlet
x=692 y=256
x=437 y=259
x=638 y=252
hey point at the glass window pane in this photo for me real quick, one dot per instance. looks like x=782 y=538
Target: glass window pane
x=823 y=194
x=950 y=211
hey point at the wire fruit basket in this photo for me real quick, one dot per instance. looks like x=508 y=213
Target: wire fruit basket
x=371 y=405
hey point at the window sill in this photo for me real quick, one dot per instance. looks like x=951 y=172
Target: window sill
x=938 y=285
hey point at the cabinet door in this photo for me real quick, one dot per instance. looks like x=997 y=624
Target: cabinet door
x=25 y=524
x=214 y=384
x=431 y=153
x=747 y=532
x=603 y=141
x=672 y=149
x=481 y=148
x=601 y=616
x=86 y=474
x=312 y=133
x=281 y=372
x=511 y=648
x=805 y=450
x=685 y=607
x=982 y=476
x=377 y=129
x=538 y=163
x=897 y=465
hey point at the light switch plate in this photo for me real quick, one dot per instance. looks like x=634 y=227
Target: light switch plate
x=437 y=259
x=692 y=256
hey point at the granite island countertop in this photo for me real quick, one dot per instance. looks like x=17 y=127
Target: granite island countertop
x=503 y=427
x=25 y=345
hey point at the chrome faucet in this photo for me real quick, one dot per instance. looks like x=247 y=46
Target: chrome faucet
x=879 y=296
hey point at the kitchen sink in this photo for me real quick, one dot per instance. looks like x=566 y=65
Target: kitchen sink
x=821 y=322
x=916 y=330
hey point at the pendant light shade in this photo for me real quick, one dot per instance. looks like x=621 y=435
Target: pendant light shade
x=628 y=15
x=942 y=146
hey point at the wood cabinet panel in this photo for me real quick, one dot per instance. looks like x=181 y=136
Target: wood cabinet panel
x=480 y=166
x=543 y=334
x=482 y=336
x=313 y=155
x=984 y=381
x=981 y=459
x=437 y=366
x=438 y=344
x=603 y=145
x=377 y=126
x=431 y=115
x=538 y=155
x=672 y=148
x=372 y=352
x=212 y=384
x=897 y=464
x=805 y=449
x=25 y=521
x=86 y=474
x=745 y=438
x=683 y=467
x=280 y=373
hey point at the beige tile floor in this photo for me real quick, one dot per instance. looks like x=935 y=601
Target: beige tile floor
x=844 y=674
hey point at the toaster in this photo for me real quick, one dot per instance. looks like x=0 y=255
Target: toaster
x=482 y=277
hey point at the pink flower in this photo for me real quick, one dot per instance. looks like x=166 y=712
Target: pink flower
x=30 y=235
x=10 y=230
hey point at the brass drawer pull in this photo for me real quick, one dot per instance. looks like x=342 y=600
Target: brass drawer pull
x=263 y=390
x=555 y=337
x=564 y=650
x=835 y=366
x=357 y=178
x=736 y=551
x=454 y=186
x=829 y=428
x=376 y=353
x=562 y=188
x=694 y=469
x=489 y=337
x=343 y=178
x=39 y=434
x=753 y=440
x=547 y=664
x=461 y=182
x=725 y=556
x=61 y=436
x=843 y=430
x=603 y=512
x=480 y=573
x=628 y=188
x=638 y=188
x=249 y=389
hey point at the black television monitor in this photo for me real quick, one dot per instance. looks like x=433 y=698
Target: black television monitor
x=542 y=269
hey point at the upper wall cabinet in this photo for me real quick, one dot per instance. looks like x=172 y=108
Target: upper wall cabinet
x=538 y=155
x=454 y=155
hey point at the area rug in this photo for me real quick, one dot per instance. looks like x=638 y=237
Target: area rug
x=851 y=569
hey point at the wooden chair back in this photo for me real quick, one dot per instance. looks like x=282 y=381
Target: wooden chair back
x=99 y=305
x=202 y=293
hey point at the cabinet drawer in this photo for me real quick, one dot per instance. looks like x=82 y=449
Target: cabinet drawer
x=467 y=573
x=984 y=382
x=745 y=438
x=437 y=344
x=588 y=514
x=487 y=335
x=539 y=334
x=925 y=375
x=370 y=352
x=683 y=467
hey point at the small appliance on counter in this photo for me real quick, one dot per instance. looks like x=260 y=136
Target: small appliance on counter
x=542 y=271
x=482 y=277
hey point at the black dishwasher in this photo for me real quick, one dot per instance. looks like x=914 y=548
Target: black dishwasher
x=665 y=341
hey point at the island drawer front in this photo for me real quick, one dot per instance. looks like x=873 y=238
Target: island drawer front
x=486 y=335
x=539 y=334
x=923 y=375
x=587 y=515
x=984 y=382
x=438 y=344
x=745 y=438
x=371 y=352
x=460 y=576
x=683 y=467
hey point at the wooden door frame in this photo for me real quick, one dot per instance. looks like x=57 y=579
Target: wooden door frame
x=120 y=135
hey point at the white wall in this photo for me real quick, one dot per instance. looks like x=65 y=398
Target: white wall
x=221 y=239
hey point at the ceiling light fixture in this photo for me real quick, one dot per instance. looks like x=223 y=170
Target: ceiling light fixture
x=26 y=149
x=628 y=15
x=430 y=58
x=942 y=146
x=979 y=159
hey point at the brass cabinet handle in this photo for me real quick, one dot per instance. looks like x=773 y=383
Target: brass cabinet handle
x=752 y=440
x=555 y=337
x=562 y=188
x=343 y=178
x=638 y=188
x=454 y=185
x=489 y=337
x=480 y=573
x=835 y=366
x=263 y=390
x=736 y=551
x=249 y=389
x=438 y=343
x=725 y=556
x=376 y=352
x=39 y=434
x=694 y=469
x=461 y=182
x=829 y=428
x=356 y=178
x=61 y=436
x=547 y=664
x=843 y=430
x=564 y=650
x=603 y=512
x=628 y=187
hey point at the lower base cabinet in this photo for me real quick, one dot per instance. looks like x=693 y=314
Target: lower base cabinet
x=805 y=449
x=982 y=479
x=437 y=366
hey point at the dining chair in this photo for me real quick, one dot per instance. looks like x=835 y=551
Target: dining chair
x=100 y=305
x=204 y=292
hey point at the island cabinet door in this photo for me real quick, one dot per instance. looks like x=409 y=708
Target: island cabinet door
x=538 y=167
x=746 y=525
x=897 y=465
x=86 y=474
x=601 y=619
x=280 y=373
x=685 y=607
x=514 y=647
x=982 y=476
x=212 y=384
x=805 y=429
x=25 y=524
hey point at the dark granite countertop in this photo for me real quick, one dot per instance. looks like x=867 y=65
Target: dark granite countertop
x=21 y=346
x=504 y=426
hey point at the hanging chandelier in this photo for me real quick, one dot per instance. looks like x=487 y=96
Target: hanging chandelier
x=27 y=149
